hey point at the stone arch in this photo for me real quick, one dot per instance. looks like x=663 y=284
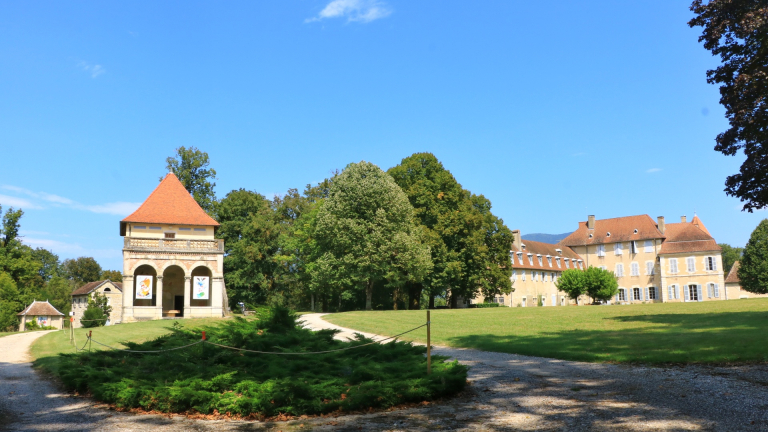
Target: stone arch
x=140 y=263
x=202 y=270
x=170 y=263
x=174 y=283
x=147 y=269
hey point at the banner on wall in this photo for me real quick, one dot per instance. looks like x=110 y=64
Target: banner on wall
x=143 y=287
x=200 y=288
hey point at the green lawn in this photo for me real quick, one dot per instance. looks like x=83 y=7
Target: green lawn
x=45 y=349
x=706 y=332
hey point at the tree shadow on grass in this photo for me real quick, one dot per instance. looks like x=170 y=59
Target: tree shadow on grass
x=662 y=338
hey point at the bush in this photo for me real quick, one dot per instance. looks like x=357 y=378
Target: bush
x=486 y=305
x=97 y=312
x=207 y=379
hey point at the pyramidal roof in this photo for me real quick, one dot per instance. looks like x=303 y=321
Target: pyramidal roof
x=169 y=203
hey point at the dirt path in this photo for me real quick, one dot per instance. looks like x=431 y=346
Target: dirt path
x=507 y=392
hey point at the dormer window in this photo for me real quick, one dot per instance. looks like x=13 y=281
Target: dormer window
x=557 y=260
x=607 y=234
x=522 y=246
x=530 y=258
x=520 y=258
x=635 y=230
x=567 y=263
x=539 y=257
x=590 y=236
x=559 y=251
x=549 y=260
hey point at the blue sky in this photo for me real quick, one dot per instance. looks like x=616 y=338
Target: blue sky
x=552 y=109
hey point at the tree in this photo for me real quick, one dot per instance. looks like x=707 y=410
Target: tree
x=97 y=312
x=81 y=270
x=250 y=232
x=737 y=31
x=112 y=275
x=753 y=270
x=366 y=234
x=190 y=165
x=10 y=225
x=58 y=291
x=730 y=255
x=600 y=284
x=49 y=263
x=9 y=303
x=572 y=282
x=469 y=245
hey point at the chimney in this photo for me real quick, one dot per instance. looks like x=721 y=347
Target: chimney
x=591 y=222
x=661 y=225
x=516 y=239
x=683 y=219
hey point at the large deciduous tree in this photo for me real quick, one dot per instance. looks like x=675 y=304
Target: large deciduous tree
x=469 y=245
x=572 y=282
x=737 y=31
x=753 y=270
x=366 y=234
x=81 y=270
x=600 y=284
x=191 y=166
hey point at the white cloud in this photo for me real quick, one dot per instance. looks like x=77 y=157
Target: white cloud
x=354 y=10
x=53 y=245
x=653 y=170
x=94 y=69
x=119 y=208
x=17 y=202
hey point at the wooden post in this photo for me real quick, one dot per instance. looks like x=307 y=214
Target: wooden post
x=90 y=332
x=429 y=346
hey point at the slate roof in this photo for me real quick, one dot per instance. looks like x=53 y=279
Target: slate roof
x=686 y=237
x=543 y=249
x=733 y=275
x=90 y=286
x=622 y=229
x=40 y=308
x=169 y=203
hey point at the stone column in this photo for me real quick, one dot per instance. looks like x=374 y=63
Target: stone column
x=159 y=297
x=217 y=296
x=187 y=296
x=127 y=298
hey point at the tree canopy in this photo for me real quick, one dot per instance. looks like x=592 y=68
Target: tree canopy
x=737 y=31
x=81 y=270
x=753 y=270
x=366 y=233
x=191 y=166
x=730 y=255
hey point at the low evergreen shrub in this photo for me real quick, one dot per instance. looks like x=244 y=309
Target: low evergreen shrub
x=487 y=305
x=208 y=379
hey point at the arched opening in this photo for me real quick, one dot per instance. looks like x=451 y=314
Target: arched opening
x=107 y=290
x=144 y=286
x=201 y=287
x=173 y=291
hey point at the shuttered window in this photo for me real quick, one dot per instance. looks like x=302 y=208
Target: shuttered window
x=619 y=270
x=651 y=293
x=648 y=246
x=649 y=267
x=633 y=247
x=635 y=269
x=636 y=294
x=514 y=274
x=673 y=265
x=691 y=264
x=710 y=263
x=601 y=250
x=618 y=249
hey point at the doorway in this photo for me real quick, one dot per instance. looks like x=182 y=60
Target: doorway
x=178 y=304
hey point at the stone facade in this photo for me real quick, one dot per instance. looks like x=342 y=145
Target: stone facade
x=113 y=291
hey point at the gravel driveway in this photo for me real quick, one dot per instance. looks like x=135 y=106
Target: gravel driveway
x=507 y=392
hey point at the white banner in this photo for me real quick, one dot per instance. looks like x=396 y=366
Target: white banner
x=200 y=288
x=143 y=287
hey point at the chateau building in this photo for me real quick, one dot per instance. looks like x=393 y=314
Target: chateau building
x=113 y=291
x=172 y=263
x=652 y=260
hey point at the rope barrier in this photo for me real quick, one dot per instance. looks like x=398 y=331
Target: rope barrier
x=154 y=351
x=316 y=352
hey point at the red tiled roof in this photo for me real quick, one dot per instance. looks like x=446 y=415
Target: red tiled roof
x=40 y=308
x=621 y=229
x=733 y=275
x=90 y=286
x=697 y=222
x=686 y=237
x=543 y=249
x=170 y=203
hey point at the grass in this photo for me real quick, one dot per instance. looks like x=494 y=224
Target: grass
x=706 y=332
x=212 y=380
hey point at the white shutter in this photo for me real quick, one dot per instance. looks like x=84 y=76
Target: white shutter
x=717 y=291
x=677 y=291
x=698 y=292
x=714 y=265
x=646 y=294
x=686 y=290
x=670 y=292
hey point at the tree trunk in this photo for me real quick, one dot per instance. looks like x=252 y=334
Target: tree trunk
x=454 y=301
x=431 y=301
x=312 y=308
x=395 y=295
x=414 y=294
x=369 y=296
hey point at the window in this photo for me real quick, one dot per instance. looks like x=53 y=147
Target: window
x=633 y=247
x=185 y=229
x=557 y=260
x=713 y=290
x=139 y=227
x=622 y=294
x=543 y=300
x=154 y=228
x=619 y=270
x=649 y=265
x=648 y=246
x=530 y=259
x=618 y=248
x=170 y=235
x=673 y=294
x=500 y=300
x=691 y=264
x=543 y=276
x=199 y=229
x=636 y=295
x=554 y=277
x=581 y=265
x=549 y=260
x=539 y=257
x=520 y=257
x=635 y=269
x=652 y=293
x=601 y=250
x=673 y=265
x=522 y=274
x=693 y=292
x=567 y=263
x=710 y=263
x=604 y=267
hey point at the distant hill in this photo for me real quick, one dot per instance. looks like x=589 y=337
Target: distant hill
x=546 y=238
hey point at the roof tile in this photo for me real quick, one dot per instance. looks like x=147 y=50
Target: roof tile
x=40 y=308
x=171 y=203
x=621 y=229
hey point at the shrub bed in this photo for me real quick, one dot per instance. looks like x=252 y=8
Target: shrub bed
x=485 y=305
x=208 y=379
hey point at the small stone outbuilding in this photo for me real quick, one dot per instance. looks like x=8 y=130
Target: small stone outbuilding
x=43 y=313
x=113 y=291
x=733 y=285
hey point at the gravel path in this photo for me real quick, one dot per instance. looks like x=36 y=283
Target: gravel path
x=507 y=392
